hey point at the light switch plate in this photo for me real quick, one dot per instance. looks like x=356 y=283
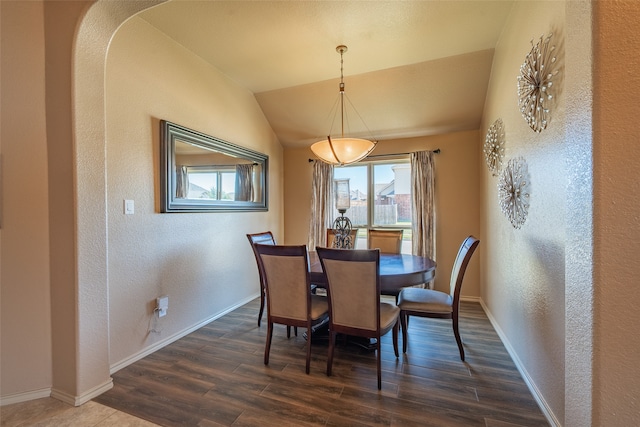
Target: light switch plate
x=129 y=207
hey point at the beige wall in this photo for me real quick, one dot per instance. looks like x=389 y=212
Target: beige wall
x=202 y=261
x=523 y=270
x=457 y=197
x=616 y=215
x=25 y=311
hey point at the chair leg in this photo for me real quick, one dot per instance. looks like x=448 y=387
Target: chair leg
x=262 y=298
x=396 y=327
x=288 y=331
x=295 y=330
x=458 y=338
x=268 y=345
x=308 y=348
x=379 y=363
x=332 y=343
x=404 y=317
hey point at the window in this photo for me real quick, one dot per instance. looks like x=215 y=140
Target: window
x=380 y=197
x=214 y=183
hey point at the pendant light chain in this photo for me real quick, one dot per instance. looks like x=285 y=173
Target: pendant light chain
x=342 y=50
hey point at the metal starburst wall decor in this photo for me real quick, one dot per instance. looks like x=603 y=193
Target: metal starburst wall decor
x=494 y=147
x=535 y=84
x=513 y=191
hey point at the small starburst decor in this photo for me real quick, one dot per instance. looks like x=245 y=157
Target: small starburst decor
x=494 y=147
x=513 y=191
x=535 y=84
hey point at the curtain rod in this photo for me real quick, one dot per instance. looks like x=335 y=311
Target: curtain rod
x=436 y=151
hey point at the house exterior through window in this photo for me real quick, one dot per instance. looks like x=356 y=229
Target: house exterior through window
x=380 y=197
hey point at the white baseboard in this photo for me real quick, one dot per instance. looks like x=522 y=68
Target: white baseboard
x=84 y=397
x=160 y=344
x=25 y=396
x=531 y=385
x=98 y=390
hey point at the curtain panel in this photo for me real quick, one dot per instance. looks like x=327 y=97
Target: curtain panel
x=422 y=204
x=321 y=197
x=244 y=187
x=182 y=182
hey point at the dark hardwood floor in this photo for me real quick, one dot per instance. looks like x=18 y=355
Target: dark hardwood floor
x=216 y=377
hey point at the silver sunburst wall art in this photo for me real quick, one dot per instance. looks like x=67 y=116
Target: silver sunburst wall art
x=513 y=191
x=535 y=84
x=494 y=147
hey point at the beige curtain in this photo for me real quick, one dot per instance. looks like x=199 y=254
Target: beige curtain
x=182 y=182
x=244 y=187
x=321 y=197
x=422 y=206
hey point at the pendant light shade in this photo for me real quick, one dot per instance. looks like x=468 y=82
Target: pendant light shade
x=342 y=150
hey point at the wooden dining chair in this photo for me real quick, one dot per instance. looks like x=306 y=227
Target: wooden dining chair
x=437 y=304
x=353 y=278
x=388 y=241
x=264 y=238
x=288 y=290
x=331 y=235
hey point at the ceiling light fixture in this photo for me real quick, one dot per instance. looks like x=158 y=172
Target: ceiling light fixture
x=342 y=151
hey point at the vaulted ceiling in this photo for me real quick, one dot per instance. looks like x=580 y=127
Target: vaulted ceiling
x=412 y=68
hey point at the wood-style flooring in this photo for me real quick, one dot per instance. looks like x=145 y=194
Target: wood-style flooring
x=215 y=376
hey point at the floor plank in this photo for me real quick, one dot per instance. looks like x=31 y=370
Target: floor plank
x=216 y=377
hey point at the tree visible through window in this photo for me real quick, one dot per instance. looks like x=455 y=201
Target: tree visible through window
x=380 y=197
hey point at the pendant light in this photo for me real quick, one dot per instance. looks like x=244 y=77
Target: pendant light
x=342 y=150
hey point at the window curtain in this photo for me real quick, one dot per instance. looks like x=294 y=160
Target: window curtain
x=182 y=182
x=321 y=197
x=422 y=205
x=244 y=189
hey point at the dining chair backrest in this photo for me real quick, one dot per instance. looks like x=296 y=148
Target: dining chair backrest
x=286 y=280
x=353 y=278
x=388 y=241
x=265 y=238
x=467 y=248
x=331 y=236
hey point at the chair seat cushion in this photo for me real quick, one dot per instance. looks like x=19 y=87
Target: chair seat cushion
x=425 y=300
x=388 y=315
x=319 y=306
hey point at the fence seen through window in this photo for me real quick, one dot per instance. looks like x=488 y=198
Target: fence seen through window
x=380 y=197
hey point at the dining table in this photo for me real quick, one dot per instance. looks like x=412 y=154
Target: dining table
x=397 y=271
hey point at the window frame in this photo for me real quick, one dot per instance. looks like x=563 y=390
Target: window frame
x=371 y=197
x=218 y=171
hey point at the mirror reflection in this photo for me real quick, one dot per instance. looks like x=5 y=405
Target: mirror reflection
x=203 y=173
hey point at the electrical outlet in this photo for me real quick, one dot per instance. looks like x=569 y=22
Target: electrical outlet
x=162 y=305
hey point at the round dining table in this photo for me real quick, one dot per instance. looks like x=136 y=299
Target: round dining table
x=396 y=271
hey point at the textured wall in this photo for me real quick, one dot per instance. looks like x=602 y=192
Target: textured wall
x=202 y=261
x=616 y=150
x=25 y=338
x=523 y=271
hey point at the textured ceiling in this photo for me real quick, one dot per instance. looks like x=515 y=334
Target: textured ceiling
x=413 y=67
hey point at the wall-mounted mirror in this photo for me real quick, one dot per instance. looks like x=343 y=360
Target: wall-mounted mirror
x=200 y=173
